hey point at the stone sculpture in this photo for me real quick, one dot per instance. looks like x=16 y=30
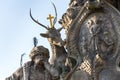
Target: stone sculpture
x=92 y=43
x=53 y=35
x=92 y=33
x=36 y=69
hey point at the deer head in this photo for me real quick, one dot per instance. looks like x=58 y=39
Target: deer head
x=53 y=35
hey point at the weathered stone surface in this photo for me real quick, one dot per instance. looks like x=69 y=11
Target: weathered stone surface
x=92 y=45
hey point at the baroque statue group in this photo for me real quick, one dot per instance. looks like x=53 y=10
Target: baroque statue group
x=90 y=50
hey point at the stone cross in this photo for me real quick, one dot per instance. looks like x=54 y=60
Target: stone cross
x=50 y=18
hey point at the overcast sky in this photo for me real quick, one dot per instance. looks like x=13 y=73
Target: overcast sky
x=17 y=29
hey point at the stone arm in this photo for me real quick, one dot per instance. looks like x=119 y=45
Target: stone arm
x=52 y=70
x=21 y=73
x=17 y=75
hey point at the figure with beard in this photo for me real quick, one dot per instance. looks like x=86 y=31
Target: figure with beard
x=38 y=68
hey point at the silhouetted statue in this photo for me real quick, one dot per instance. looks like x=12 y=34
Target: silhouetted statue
x=36 y=69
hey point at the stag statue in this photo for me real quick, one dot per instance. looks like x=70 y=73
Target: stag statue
x=53 y=35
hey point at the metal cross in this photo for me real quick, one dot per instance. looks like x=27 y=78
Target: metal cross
x=50 y=18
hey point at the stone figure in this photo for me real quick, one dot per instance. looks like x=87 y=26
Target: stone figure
x=90 y=50
x=92 y=33
x=59 y=53
x=36 y=69
x=75 y=7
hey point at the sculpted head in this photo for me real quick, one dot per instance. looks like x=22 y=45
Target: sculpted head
x=54 y=37
x=39 y=54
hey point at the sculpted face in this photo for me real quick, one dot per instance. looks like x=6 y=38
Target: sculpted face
x=38 y=60
x=54 y=37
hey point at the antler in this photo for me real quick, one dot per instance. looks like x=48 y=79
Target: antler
x=37 y=21
x=55 y=19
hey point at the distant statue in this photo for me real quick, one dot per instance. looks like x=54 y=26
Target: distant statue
x=36 y=69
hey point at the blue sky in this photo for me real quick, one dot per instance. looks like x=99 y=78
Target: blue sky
x=17 y=29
